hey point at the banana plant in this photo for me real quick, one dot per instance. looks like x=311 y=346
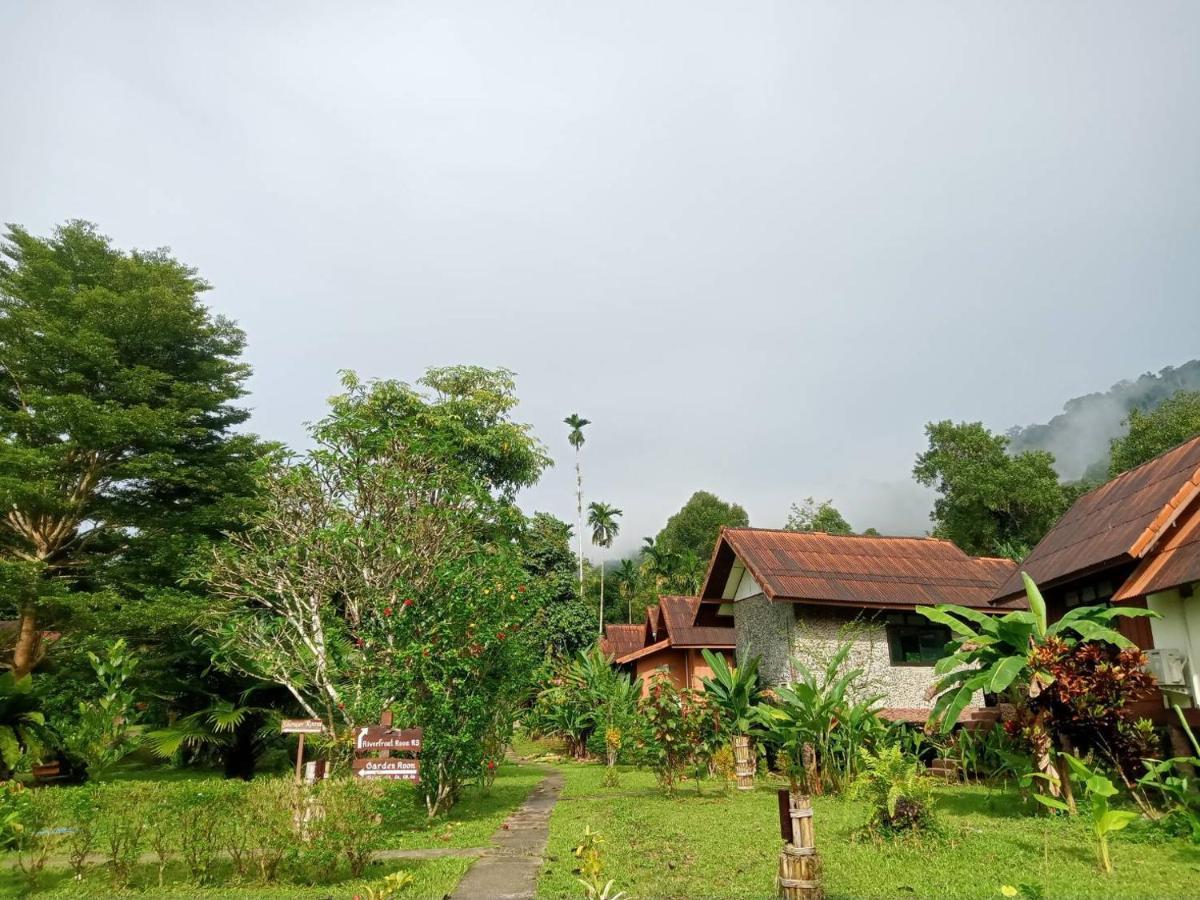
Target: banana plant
x=998 y=654
x=1105 y=821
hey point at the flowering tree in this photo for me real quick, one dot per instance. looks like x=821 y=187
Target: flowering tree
x=383 y=570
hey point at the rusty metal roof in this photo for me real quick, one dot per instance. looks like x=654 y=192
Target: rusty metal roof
x=619 y=640
x=672 y=623
x=1176 y=562
x=867 y=571
x=682 y=631
x=1116 y=523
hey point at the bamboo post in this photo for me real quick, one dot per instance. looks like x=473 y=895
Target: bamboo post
x=799 y=865
x=743 y=755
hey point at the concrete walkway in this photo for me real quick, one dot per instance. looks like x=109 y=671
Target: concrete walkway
x=509 y=868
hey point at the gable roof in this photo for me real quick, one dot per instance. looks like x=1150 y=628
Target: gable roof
x=855 y=570
x=1176 y=562
x=1118 y=522
x=680 y=614
x=672 y=623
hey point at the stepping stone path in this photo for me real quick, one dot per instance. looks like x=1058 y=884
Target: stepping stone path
x=509 y=868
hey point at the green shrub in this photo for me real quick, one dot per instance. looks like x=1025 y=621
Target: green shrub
x=273 y=807
x=81 y=812
x=901 y=798
x=41 y=834
x=14 y=801
x=122 y=826
x=199 y=817
x=349 y=822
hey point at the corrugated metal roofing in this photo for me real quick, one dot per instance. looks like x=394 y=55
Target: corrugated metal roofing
x=1174 y=563
x=885 y=572
x=671 y=623
x=619 y=640
x=1115 y=522
x=680 y=614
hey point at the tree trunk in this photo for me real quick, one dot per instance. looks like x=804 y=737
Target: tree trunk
x=602 y=596
x=25 y=651
x=579 y=514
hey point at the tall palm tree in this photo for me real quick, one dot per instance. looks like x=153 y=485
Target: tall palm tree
x=627 y=572
x=576 y=423
x=603 y=519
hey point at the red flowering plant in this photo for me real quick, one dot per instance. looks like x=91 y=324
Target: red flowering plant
x=378 y=572
x=683 y=732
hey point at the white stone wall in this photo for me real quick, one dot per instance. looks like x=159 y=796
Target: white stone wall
x=778 y=635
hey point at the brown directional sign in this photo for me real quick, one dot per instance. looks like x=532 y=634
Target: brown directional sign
x=301 y=726
x=402 y=769
x=380 y=737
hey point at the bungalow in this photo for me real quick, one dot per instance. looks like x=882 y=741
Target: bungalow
x=1135 y=541
x=797 y=595
x=669 y=642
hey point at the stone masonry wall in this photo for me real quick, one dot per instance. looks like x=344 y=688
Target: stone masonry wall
x=778 y=635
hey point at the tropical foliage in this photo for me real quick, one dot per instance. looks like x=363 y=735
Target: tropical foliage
x=1175 y=420
x=23 y=729
x=896 y=788
x=989 y=502
x=1013 y=655
x=734 y=691
x=603 y=519
x=821 y=722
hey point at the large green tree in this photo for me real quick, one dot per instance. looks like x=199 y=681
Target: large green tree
x=696 y=526
x=562 y=624
x=989 y=502
x=384 y=570
x=1172 y=422
x=118 y=393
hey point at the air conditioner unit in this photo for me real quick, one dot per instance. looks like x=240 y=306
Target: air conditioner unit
x=1167 y=666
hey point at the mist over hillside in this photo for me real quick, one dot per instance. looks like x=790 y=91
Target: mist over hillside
x=1079 y=436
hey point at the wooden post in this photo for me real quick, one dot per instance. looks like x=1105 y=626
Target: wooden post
x=799 y=865
x=743 y=756
x=385 y=719
x=300 y=758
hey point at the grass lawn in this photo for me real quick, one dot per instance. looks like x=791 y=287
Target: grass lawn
x=728 y=846
x=470 y=823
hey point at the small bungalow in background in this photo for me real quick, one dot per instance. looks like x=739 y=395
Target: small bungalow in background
x=668 y=643
x=797 y=595
x=1134 y=540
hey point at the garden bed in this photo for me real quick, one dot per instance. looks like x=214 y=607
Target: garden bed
x=728 y=845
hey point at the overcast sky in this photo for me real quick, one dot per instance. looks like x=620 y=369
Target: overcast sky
x=758 y=244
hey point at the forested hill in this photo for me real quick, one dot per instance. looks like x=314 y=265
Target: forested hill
x=1079 y=436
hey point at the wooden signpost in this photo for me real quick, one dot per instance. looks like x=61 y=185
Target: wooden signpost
x=301 y=727
x=400 y=768
x=380 y=737
x=384 y=739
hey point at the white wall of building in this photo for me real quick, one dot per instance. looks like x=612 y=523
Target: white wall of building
x=1178 y=629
